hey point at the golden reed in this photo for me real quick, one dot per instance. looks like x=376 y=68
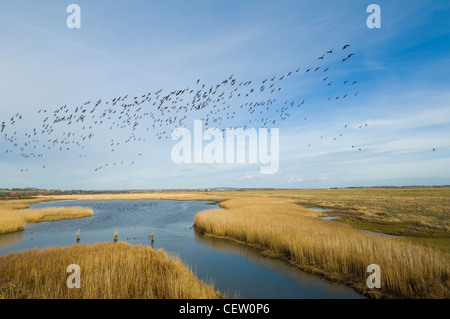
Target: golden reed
x=107 y=270
x=282 y=229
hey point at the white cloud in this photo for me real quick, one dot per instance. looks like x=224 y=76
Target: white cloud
x=250 y=177
x=293 y=179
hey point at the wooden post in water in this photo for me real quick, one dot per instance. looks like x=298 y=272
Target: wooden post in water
x=116 y=235
x=153 y=238
x=78 y=236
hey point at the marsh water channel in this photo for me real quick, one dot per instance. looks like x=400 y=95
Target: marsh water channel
x=234 y=269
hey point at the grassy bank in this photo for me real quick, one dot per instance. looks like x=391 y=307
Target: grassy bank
x=14 y=214
x=282 y=229
x=108 y=270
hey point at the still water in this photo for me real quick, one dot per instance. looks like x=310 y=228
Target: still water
x=234 y=269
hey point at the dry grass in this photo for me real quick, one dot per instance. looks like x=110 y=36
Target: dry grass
x=55 y=213
x=14 y=214
x=283 y=229
x=276 y=222
x=423 y=209
x=171 y=195
x=419 y=212
x=108 y=270
x=11 y=221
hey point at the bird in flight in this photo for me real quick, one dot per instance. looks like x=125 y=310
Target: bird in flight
x=349 y=56
x=345 y=46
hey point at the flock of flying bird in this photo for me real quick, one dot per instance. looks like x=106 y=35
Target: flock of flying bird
x=70 y=128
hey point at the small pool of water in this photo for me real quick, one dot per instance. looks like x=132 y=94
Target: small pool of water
x=319 y=209
x=337 y=214
x=330 y=217
x=331 y=213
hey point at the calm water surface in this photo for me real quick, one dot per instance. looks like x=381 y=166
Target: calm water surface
x=234 y=269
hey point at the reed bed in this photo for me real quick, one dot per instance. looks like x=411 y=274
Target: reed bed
x=107 y=271
x=420 y=209
x=14 y=216
x=282 y=229
x=55 y=213
x=11 y=221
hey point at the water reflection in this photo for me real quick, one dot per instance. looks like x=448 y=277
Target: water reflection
x=12 y=239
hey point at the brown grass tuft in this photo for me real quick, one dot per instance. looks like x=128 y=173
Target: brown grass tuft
x=108 y=270
x=14 y=215
x=55 y=213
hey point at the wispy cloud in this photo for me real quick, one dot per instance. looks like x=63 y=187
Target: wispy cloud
x=293 y=179
x=251 y=177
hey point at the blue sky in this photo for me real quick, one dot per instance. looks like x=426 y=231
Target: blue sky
x=136 y=47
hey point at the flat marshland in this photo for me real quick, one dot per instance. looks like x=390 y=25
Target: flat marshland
x=414 y=258
x=108 y=270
